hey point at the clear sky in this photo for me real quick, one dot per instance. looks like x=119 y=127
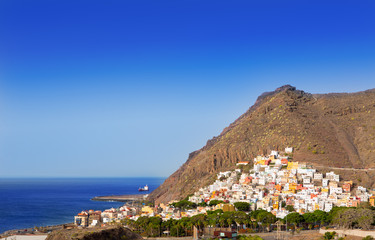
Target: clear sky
x=130 y=88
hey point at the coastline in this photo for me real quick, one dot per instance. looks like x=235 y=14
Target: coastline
x=43 y=230
x=60 y=199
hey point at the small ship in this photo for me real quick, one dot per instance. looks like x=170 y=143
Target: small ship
x=144 y=189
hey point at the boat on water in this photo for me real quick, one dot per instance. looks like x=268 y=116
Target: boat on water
x=144 y=189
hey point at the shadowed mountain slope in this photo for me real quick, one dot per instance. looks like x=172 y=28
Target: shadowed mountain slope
x=326 y=130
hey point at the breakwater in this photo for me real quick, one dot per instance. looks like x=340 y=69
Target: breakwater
x=121 y=198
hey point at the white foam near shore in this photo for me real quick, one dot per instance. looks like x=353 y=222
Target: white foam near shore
x=25 y=237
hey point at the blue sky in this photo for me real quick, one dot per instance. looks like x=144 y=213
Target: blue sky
x=130 y=88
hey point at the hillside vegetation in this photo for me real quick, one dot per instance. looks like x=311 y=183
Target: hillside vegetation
x=326 y=130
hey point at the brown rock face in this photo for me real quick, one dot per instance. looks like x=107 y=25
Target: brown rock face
x=334 y=130
x=109 y=233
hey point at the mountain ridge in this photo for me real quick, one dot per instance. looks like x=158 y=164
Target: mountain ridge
x=332 y=130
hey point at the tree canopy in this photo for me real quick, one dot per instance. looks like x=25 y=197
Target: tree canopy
x=215 y=202
x=184 y=204
x=294 y=218
x=242 y=206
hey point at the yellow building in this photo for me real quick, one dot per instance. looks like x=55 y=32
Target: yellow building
x=147 y=210
x=292 y=165
x=292 y=186
x=289 y=191
x=316 y=206
x=226 y=207
x=262 y=162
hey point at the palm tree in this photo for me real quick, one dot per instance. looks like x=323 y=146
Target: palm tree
x=189 y=225
x=221 y=221
x=229 y=221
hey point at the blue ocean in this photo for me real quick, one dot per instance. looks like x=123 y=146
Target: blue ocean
x=34 y=202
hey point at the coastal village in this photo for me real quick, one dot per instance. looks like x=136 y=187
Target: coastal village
x=273 y=183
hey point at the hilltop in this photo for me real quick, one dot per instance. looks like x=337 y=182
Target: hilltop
x=326 y=130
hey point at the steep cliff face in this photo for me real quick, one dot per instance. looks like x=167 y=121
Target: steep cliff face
x=336 y=130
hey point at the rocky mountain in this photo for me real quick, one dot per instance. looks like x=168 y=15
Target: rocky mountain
x=330 y=131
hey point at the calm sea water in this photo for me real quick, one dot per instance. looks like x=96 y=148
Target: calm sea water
x=49 y=201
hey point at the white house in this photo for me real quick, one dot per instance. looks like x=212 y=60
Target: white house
x=288 y=149
x=318 y=176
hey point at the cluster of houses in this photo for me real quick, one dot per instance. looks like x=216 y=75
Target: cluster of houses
x=275 y=182
x=165 y=211
x=97 y=218
x=272 y=184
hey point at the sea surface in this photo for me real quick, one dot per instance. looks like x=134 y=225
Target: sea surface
x=34 y=202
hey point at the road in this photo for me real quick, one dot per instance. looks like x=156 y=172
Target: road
x=347 y=169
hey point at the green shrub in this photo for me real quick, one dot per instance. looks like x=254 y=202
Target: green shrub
x=254 y=237
x=329 y=235
x=368 y=238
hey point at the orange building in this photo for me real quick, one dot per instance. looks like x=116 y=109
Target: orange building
x=372 y=201
x=278 y=187
x=284 y=161
x=248 y=180
x=346 y=187
x=299 y=187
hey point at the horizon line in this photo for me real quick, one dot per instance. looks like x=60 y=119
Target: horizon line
x=19 y=177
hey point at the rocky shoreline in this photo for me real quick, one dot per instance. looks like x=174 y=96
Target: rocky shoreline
x=36 y=230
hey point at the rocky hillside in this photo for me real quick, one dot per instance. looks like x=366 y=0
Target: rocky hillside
x=327 y=130
x=97 y=233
